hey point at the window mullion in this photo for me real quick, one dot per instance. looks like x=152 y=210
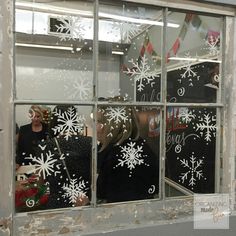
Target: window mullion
x=163 y=111
x=95 y=97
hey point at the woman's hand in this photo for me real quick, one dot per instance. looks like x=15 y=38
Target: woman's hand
x=82 y=201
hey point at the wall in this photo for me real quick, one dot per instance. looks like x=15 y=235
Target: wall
x=49 y=75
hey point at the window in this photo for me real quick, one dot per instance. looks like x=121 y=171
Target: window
x=125 y=105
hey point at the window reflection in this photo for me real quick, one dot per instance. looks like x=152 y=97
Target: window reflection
x=55 y=62
x=190 y=148
x=128 y=168
x=54 y=171
x=194 y=57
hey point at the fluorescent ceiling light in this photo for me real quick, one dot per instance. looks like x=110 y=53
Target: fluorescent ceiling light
x=193 y=59
x=48 y=8
x=135 y=20
x=45 y=46
x=117 y=52
x=62 y=10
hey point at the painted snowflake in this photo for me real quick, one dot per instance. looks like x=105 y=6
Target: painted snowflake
x=116 y=114
x=131 y=156
x=193 y=170
x=142 y=73
x=185 y=115
x=70 y=28
x=80 y=90
x=124 y=30
x=212 y=45
x=44 y=165
x=129 y=31
x=206 y=126
x=69 y=123
x=74 y=190
x=189 y=72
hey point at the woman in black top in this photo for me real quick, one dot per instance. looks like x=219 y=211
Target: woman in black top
x=68 y=158
x=30 y=135
x=127 y=167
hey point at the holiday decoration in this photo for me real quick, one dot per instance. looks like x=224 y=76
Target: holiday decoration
x=74 y=190
x=193 y=171
x=32 y=194
x=142 y=73
x=70 y=123
x=131 y=156
x=70 y=28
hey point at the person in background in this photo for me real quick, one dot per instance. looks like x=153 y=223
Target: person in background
x=127 y=168
x=30 y=135
x=69 y=152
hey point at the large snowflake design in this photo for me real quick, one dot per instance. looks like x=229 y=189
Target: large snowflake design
x=80 y=90
x=188 y=69
x=206 y=126
x=185 y=115
x=141 y=73
x=131 y=156
x=70 y=28
x=70 y=123
x=45 y=165
x=212 y=45
x=193 y=170
x=74 y=190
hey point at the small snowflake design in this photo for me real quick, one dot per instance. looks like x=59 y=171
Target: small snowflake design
x=80 y=90
x=70 y=28
x=188 y=73
x=70 y=123
x=45 y=165
x=212 y=45
x=185 y=115
x=141 y=73
x=193 y=171
x=129 y=31
x=206 y=126
x=74 y=190
x=116 y=114
x=131 y=156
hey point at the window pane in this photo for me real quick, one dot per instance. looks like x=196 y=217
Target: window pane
x=53 y=157
x=130 y=39
x=193 y=57
x=128 y=153
x=54 y=57
x=190 y=148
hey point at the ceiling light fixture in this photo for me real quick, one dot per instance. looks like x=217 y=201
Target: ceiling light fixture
x=62 y=10
x=29 y=45
x=136 y=20
x=117 y=52
x=51 y=9
x=193 y=59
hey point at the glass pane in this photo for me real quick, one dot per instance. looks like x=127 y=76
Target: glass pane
x=53 y=157
x=130 y=51
x=54 y=50
x=128 y=153
x=190 y=149
x=193 y=57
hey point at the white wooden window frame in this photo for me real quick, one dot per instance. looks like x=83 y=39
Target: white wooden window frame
x=112 y=216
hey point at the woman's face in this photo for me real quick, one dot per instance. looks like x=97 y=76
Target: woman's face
x=100 y=128
x=36 y=118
